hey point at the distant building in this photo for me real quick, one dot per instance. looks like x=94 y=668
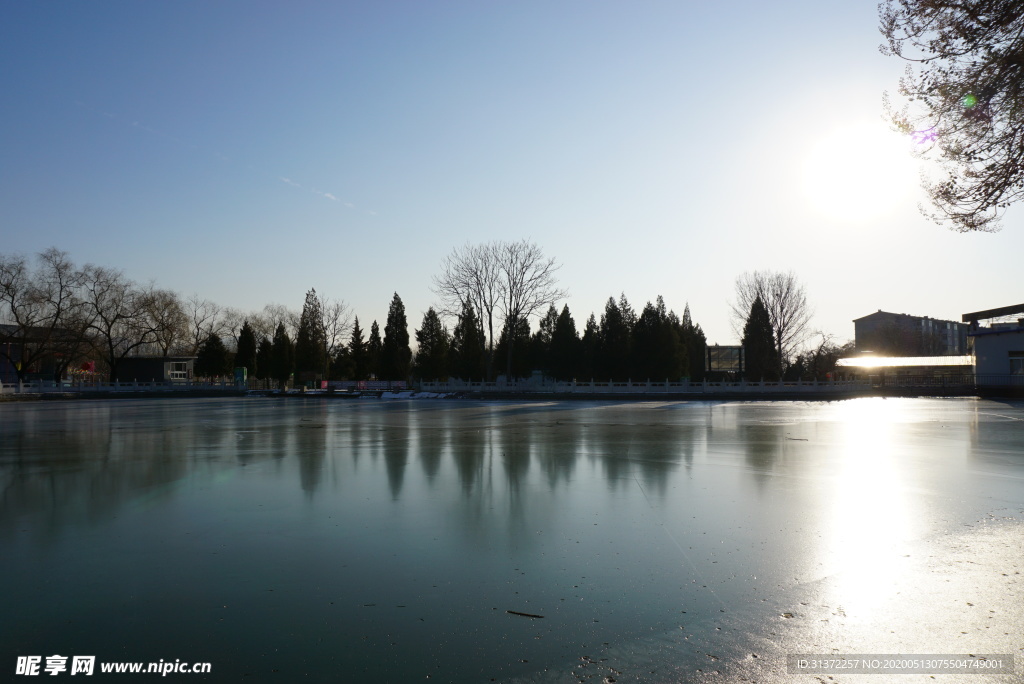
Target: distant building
x=891 y=334
x=156 y=368
x=922 y=367
x=729 y=360
x=998 y=348
x=20 y=345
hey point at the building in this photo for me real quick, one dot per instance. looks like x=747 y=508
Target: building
x=724 y=359
x=156 y=368
x=925 y=369
x=998 y=347
x=891 y=334
x=42 y=353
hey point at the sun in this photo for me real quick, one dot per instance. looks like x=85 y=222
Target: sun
x=860 y=172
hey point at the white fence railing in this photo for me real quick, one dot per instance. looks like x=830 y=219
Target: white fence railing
x=532 y=386
x=51 y=387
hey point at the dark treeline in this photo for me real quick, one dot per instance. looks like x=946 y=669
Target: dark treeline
x=656 y=344
x=57 y=319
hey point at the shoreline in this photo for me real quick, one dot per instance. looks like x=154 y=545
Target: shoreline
x=783 y=395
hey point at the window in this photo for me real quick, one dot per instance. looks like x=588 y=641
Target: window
x=178 y=370
x=1017 y=363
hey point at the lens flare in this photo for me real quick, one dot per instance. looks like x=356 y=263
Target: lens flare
x=926 y=136
x=969 y=100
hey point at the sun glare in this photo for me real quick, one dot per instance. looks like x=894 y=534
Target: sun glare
x=871 y=516
x=860 y=172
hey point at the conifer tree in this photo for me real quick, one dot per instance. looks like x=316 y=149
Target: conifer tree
x=629 y=316
x=658 y=352
x=264 y=359
x=245 y=357
x=374 y=351
x=645 y=344
x=760 y=352
x=566 y=347
x=540 y=343
x=342 y=365
x=696 y=345
x=467 y=353
x=311 y=339
x=212 y=360
x=282 y=356
x=432 y=353
x=358 y=353
x=591 y=343
x=396 y=354
x=615 y=340
x=520 y=344
x=678 y=362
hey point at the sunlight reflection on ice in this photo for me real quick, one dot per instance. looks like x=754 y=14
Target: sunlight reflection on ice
x=871 y=518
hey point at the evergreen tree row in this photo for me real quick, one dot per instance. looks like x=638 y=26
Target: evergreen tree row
x=307 y=358
x=655 y=345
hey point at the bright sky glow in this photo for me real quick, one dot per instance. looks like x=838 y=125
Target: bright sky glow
x=247 y=151
x=859 y=172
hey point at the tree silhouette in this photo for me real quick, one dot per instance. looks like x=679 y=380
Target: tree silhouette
x=786 y=301
x=282 y=356
x=374 y=351
x=264 y=359
x=517 y=348
x=395 y=352
x=566 y=348
x=213 y=359
x=358 y=353
x=311 y=341
x=245 y=356
x=468 y=346
x=760 y=351
x=432 y=342
x=965 y=94
x=695 y=342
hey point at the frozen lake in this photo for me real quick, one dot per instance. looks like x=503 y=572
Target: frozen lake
x=339 y=540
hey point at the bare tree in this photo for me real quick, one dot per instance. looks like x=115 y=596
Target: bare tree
x=337 y=323
x=274 y=314
x=61 y=290
x=786 y=300
x=119 y=314
x=262 y=327
x=204 y=319
x=23 y=312
x=264 y=322
x=37 y=308
x=172 y=330
x=964 y=95
x=472 y=274
x=819 y=360
x=230 y=325
x=528 y=284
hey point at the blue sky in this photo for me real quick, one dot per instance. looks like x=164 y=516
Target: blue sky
x=248 y=151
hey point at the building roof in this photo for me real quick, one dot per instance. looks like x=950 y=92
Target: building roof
x=11 y=333
x=887 y=314
x=993 y=313
x=984 y=332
